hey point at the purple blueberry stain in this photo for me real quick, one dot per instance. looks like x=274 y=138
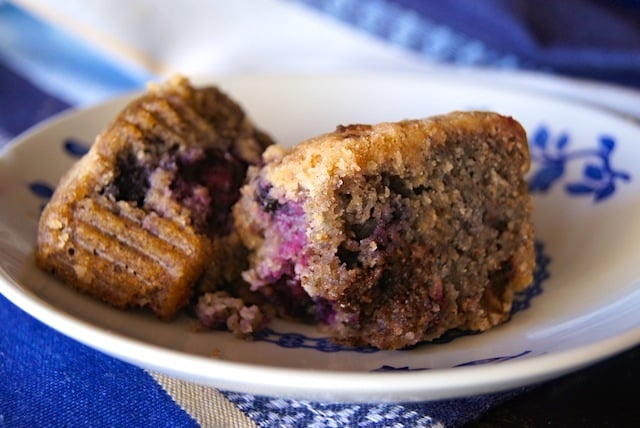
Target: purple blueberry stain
x=278 y=279
x=131 y=181
x=287 y=294
x=208 y=183
x=268 y=203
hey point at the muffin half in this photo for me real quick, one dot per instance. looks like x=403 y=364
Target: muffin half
x=391 y=234
x=147 y=212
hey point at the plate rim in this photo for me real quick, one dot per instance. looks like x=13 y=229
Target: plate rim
x=350 y=383
x=399 y=386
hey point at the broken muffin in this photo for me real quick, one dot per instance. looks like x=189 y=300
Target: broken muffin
x=392 y=234
x=147 y=212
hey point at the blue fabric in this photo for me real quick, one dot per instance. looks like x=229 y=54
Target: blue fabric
x=583 y=38
x=64 y=65
x=278 y=412
x=46 y=378
x=35 y=105
x=49 y=380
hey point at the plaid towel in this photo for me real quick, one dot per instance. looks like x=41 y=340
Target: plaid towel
x=51 y=380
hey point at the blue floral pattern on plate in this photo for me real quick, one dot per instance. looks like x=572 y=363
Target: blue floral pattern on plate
x=297 y=340
x=552 y=154
x=491 y=360
x=75 y=148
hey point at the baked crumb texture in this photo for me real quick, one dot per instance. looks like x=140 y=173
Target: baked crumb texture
x=147 y=212
x=221 y=311
x=392 y=234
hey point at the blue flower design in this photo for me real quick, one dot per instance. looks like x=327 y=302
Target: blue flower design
x=297 y=340
x=386 y=368
x=522 y=301
x=491 y=360
x=553 y=156
x=291 y=340
x=70 y=146
x=41 y=189
x=75 y=147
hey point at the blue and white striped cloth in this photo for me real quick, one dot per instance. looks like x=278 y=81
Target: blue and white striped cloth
x=48 y=379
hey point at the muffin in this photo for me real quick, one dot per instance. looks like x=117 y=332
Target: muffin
x=146 y=213
x=388 y=235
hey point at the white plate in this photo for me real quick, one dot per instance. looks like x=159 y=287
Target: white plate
x=583 y=307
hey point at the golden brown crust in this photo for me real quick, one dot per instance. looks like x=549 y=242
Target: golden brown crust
x=398 y=146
